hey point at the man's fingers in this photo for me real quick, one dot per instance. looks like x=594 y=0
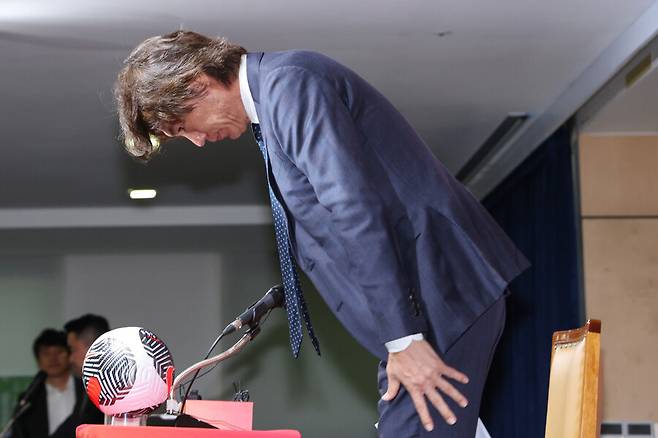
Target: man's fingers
x=392 y=390
x=451 y=391
x=424 y=374
x=423 y=412
x=441 y=406
x=455 y=375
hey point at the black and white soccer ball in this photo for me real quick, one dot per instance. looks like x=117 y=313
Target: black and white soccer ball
x=128 y=371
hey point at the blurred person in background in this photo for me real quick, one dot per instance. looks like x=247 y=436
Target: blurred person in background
x=53 y=400
x=80 y=334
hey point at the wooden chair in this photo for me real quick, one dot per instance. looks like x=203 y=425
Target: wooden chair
x=573 y=391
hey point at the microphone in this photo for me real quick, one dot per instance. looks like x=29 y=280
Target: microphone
x=23 y=404
x=38 y=379
x=272 y=299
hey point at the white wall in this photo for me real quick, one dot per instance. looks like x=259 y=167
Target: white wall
x=30 y=300
x=174 y=295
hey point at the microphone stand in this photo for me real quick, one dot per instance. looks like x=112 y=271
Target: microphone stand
x=20 y=411
x=173 y=406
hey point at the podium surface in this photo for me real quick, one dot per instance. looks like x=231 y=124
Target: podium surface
x=100 y=431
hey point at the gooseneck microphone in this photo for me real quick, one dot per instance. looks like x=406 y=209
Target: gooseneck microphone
x=24 y=403
x=272 y=299
x=38 y=379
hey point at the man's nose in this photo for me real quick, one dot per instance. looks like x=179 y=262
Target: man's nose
x=198 y=138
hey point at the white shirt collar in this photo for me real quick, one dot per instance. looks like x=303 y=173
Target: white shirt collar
x=245 y=92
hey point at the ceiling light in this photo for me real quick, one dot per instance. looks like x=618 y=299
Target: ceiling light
x=142 y=193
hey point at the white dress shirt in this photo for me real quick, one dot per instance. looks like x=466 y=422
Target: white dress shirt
x=245 y=92
x=60 y=404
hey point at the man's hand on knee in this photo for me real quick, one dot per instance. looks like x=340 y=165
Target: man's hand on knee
x=422 y=372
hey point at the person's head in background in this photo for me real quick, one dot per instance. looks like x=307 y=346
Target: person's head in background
x=80 y=334
x=52 y=354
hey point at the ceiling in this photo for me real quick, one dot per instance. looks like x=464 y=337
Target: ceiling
x=453 y=68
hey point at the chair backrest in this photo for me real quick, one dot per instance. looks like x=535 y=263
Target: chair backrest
x=573 y=391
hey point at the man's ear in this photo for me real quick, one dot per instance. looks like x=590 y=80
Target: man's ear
x=201 y=83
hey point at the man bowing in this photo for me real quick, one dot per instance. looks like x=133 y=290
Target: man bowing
x=410 y=263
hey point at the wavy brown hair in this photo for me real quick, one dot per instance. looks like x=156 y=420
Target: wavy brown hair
x=156 y=87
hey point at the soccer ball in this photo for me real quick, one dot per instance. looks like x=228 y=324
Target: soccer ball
x=127 y=371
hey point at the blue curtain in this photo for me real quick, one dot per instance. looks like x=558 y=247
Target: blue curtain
x=535 y=205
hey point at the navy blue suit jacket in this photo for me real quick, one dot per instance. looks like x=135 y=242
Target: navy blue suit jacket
x=393 y=243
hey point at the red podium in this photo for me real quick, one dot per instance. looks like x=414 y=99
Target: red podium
x=232 y=419
x=100 y=431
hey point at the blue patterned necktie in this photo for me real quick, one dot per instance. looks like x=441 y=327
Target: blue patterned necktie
x=295 y=304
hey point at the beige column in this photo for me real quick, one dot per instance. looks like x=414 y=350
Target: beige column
x=619 y=203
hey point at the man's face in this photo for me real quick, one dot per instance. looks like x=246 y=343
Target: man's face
x=53 y=360
x=78 y=350
x=217 y=115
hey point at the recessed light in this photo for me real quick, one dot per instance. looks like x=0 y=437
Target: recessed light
x=142 y=193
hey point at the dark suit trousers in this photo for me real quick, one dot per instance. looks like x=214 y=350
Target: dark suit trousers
x=471 y=354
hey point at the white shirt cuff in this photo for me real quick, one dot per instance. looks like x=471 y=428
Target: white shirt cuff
x=397 y=345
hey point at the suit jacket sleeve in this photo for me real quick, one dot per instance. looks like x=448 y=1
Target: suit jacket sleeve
x=318 y=134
